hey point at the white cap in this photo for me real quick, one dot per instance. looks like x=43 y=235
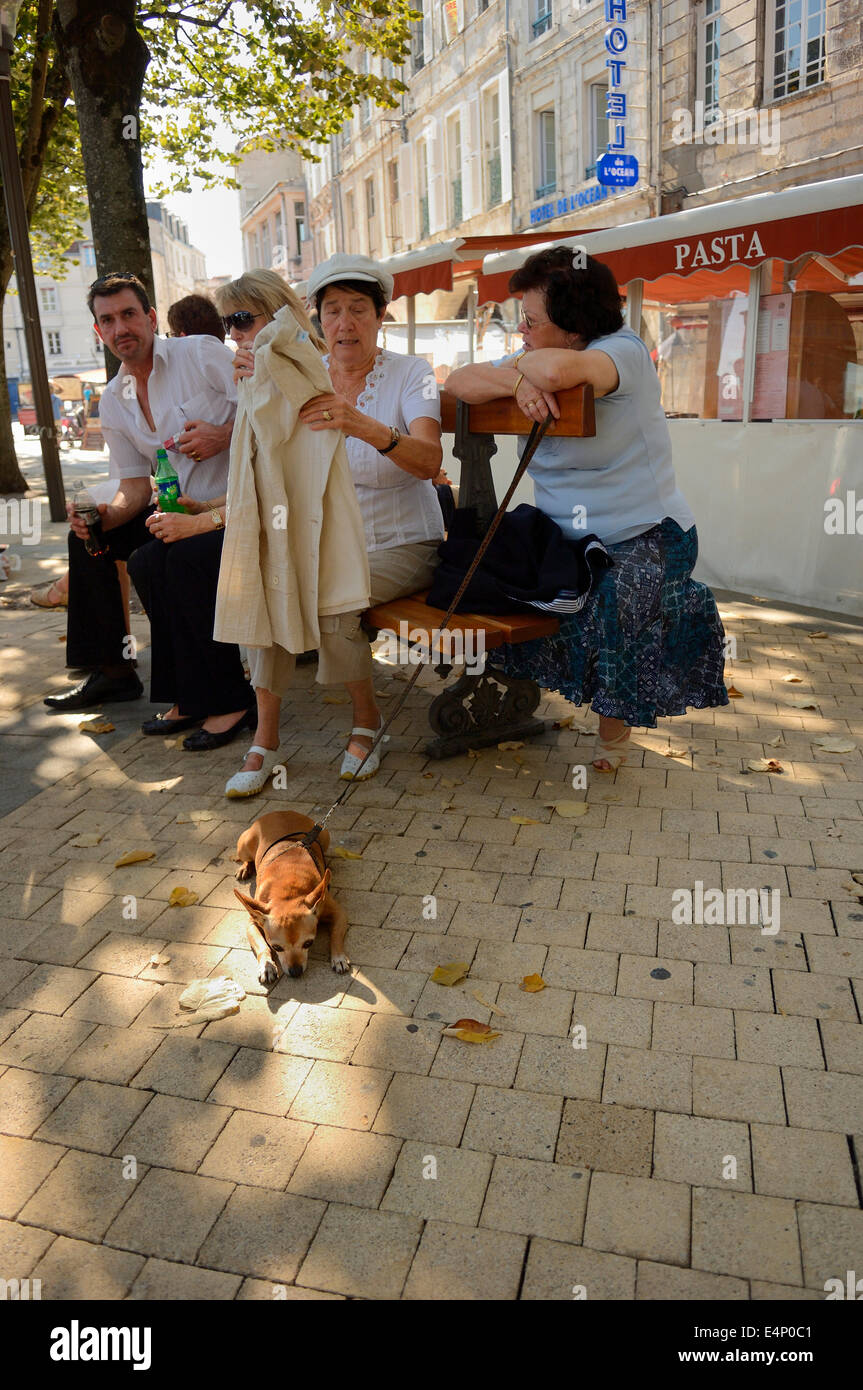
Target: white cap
x=344 y=266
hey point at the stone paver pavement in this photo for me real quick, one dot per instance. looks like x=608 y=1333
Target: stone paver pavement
x=677 y=1115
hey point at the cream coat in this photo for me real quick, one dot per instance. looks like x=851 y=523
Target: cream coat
x=294 y=544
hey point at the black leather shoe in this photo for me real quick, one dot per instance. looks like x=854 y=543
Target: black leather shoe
x=96 y=690
x=162 y=725
x=204 y=742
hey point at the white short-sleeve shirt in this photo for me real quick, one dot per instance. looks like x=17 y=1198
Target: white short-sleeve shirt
x=192 y=379
x=397 y=508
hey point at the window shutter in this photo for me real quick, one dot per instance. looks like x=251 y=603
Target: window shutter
x=505 y=143
x=471 y=163
x=406 y=194
x=428 y=29
x=437 y=186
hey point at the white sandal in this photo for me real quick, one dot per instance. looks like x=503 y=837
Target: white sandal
x=610 y=752
x=351 y=763
x=249 y=783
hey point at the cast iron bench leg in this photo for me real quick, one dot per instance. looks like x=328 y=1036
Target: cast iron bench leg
x=482 y=709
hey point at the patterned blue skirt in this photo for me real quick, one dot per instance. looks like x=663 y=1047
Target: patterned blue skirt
x=648 y=643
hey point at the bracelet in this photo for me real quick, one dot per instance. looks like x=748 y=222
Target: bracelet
x=519 y=380
x=395 y=438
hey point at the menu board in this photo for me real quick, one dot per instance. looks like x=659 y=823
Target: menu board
x=771 y=357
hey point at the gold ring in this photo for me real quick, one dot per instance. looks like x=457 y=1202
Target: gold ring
x=327 y=415
x=197 y=458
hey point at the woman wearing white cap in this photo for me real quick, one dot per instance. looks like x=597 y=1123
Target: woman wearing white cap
x=388 y=408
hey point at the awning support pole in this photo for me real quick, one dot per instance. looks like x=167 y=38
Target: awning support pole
x=471 y=322
x=759 y=283
x=412 y=325
x=634 y=301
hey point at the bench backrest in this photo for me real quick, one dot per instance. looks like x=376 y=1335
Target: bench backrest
x=577 y=417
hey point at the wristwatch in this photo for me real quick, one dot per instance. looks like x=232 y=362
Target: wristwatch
x=395 y=438
x=217 y=519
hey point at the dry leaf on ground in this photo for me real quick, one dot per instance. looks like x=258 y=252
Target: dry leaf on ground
x=182 y=897
x=509 y=747
x=486 y=1005
x=774 y=742
x=835 y=745
x=765 y=765
x=339 y=852
x=733 y=693
x=808 y=703
x=450 y=974
x=96 y=726
x=469 y=1030
x=569 y=809
x=566 y=723
x=134 y=856
x=195 y=817
x=474 y=752
x=525 y=820
x=819 y=634
x=335 y=700
x=86 y=841
x=670 y=752
x=451 y=782
x=532 y=984
x=793 y=680
x=159 y=960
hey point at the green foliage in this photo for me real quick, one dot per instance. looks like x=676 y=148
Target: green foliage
x=266 y=70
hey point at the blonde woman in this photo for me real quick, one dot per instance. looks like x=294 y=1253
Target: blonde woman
x=294 y=573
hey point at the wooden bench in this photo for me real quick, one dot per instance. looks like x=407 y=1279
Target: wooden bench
x=482 y=706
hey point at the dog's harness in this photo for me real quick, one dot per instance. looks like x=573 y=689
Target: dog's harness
x=305 y=838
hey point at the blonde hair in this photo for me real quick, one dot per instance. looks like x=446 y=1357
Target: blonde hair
x=266 y=292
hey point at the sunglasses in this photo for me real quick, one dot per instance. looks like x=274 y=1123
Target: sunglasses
x=241 y=319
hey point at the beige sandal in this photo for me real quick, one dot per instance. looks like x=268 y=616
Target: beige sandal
x=41 y=597
x=610 y=752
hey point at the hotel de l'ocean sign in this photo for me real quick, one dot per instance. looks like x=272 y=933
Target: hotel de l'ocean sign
x=616 y=168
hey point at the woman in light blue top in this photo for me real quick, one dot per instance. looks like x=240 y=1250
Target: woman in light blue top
x=649 y=641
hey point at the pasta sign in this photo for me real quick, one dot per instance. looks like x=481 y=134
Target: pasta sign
x=616 y=167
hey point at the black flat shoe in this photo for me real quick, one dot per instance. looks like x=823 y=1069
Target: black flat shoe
x=204 y=742
x=162 y=725
x=97 y=689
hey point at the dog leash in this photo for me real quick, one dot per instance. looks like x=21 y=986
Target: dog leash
x=537 y=431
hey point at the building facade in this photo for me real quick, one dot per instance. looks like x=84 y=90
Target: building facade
x=70 y=341
x=178 y=267
x=273 y=212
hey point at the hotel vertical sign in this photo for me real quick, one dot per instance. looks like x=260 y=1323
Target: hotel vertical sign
x=616 y=168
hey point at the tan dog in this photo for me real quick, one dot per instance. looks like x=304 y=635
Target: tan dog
x=291 y=897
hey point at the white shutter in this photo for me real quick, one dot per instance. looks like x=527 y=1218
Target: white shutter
x=505 y=143
x=428 y=30
x=437 y=180
x=406 y=194
x=471 y=161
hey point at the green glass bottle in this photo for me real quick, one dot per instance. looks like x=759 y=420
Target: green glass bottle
x=167 y=484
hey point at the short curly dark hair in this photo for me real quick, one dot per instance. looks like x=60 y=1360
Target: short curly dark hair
x=585 y=301
x=195 y=315
x=370 y=288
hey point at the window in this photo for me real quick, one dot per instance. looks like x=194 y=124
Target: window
x=542 y=17
x=449 y=21
x=370 y=216
x=281 y=251
x=482 y=6
x=547 y=151
x=350 y=214
x=491 y=126
x=423 y=155
x=48 y=296
x=418 y=54
x=598 y=126
x=798 y=45
x=365 y=104
x=394 y=196
x=300 y=226
x=454 y=161
x=265 y=245
x=88 y=254
x=707 y=68
x=55 y=345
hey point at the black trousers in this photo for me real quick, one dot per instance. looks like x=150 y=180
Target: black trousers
x=177 y=586
x=95 y=621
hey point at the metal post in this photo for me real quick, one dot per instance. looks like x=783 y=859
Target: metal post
x=471 y=321
x=634 y=301
x=19 y=233
x=412 y=325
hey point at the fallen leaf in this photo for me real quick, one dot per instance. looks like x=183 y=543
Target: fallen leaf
x=96 y=726
x=182 y=897
x=428 y=774
x=509 y=747
x=775 y=742
x=62 y=639
x=474 y=752
x=858 y=878
x=195 y=818
x=524 y=820
x=813 y=635
x=764 y=765
x=670 y=752
x=808 y=703
x=569 y=809
x=450 y=974
x=566 y=723
x=86 y=841
x=835 y=745
x=793 y=680
x=335 y=700
x=339 y=852
x=532 y=984
x=733 y=693
x=451 y=782
x=486 y=1005
x=747 y=659
x=472 y=1023
x=469 y=1035
x=134 y=856
x=159 y=960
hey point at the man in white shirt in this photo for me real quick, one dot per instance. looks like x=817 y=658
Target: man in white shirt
x=167 y=387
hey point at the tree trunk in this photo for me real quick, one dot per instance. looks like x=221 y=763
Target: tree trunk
x=107 y=59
